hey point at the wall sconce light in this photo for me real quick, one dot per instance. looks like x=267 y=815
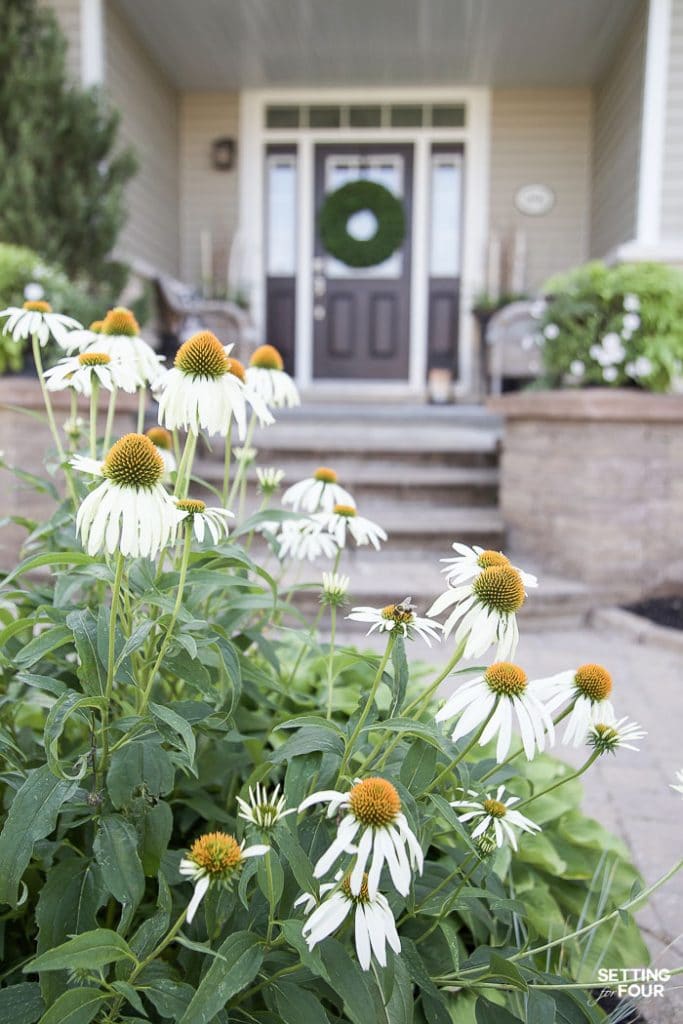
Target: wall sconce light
x=223 y=154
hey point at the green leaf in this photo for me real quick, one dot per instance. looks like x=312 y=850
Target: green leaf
x=240 y=959
x=60 y=712
x=129 y=993
x=91 y=672
x=51 y=558
x=89 y=949
x=417 y=767
x=295 y=858
x=348 y=980
x=277 y=875
x=177 y=728
x=116 y=852
x=32 y=816
x=43 y=644
x=75 y=1006
x=502 y=968
x=141 y=764
x=297 y=1006
x=540 y=1008
x=308 y=739
x=155 y=826
x=170 y=998
x=420 y=975
x=489 y=1013
x=134 y=641
x=401 y=674
x=21 y=1004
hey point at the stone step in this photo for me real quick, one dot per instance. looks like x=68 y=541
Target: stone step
x=373 y=480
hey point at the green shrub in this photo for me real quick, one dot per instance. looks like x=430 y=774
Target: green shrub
x=614 y=326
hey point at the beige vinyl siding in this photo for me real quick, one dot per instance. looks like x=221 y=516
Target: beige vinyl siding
x=208 y=198
x=148 y=104
x=69 y=17
x=542 y=136
x=616 y=141
x=672 y=183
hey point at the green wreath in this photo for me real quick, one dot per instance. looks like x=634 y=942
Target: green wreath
x=339 y=206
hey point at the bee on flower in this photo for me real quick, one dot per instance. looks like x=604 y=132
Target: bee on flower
x=119 y=337
x=397 y=618
x=374 y=829
x=267 y=377
x=264 y=809
x=215 y=859
x=495 y=816
x=587 y=690
x=374 y=925
x=36 y=319
x=608 y=737
x=319 y=493
x=201 y=518
x=79 y=372
x=493 y=700
x=206 y=390
x=130 y=511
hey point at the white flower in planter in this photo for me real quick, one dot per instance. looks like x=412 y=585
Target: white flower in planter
x=496 y=815
x=319 y=493
x=587 y=689
x=267 y=377
x=498 y=696
x=206 y=390
x=551 y=332
x=215 y=520
x=397 y=618
x=130 y=511
x=78 y=372
x=631 y=303
x=631 y=322
x=470 y=561
x=374 y=925
x=36 y=318
x=610 y=374
x=608 y=737
x=577 y=368
x=372 y=808
x=120 y=338
x=639 y=368
x=215 y=859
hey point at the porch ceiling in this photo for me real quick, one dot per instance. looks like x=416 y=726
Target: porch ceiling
x=216 y=45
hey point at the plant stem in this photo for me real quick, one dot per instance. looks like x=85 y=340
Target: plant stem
x=184 y=473
x=271 y=898
x=368 y=704
x=513 y=757
x=111 y=657
x=242 y=465
x=37 y=359
x=451 y=898
x=330 y=660
x=449 y=767
x=137 y=971
x=187 y=547
x=94 y=394
x=566 y=778
x=110 y=421
x=226 y=465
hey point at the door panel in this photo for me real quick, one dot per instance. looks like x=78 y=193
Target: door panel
x=362 y=315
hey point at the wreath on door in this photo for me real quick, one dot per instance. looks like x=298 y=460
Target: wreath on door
x=351 y=198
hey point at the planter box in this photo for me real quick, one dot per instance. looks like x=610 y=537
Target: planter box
x=592 y=485
x=24 y=440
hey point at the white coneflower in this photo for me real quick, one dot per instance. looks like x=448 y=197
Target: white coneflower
x=470 y=561
x=345 y=518
x=246 y=455
x=205 y=390
x=215 y=859
x=120 y=338
x=639 y=368
x=215 y=520
x=319 y=493
x=498 y=696
x=373 y=812
x=264 y=809
x=496 y=815
x=83 y=338
x=577 y=368
x=163 y=442
x=608 y=737
x=397 y=618
x=374 y=924
x=679 y=776
x=551 y=332
x=587 y=689
x=298 y=540
x=631 y=303
x=36 y=318
x=335 y=587
x=77 y=372
x=267 y=377
x=269 y=479
x=130 y=511
x=485 y=611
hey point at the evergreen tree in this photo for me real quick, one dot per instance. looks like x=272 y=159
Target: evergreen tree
x=61 y=177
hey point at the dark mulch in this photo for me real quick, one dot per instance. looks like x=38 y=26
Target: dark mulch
x=665 y=611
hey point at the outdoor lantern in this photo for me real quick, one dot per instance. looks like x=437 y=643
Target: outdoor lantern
x=223 y=154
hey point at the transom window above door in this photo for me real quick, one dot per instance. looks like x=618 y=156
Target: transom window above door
x=365 y=116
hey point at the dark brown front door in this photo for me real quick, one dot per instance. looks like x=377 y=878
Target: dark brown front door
x=362 y=316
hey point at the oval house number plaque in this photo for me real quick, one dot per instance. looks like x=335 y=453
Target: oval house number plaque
x=534 y=200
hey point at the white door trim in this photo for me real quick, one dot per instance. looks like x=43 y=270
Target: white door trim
x=653 y=122
x=254 y=136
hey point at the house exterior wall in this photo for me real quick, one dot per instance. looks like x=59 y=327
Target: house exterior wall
x=69 y=17
x=542 y=136
x=672 y=183
x=208 y=198
x=149 y=107
x=616 y=141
